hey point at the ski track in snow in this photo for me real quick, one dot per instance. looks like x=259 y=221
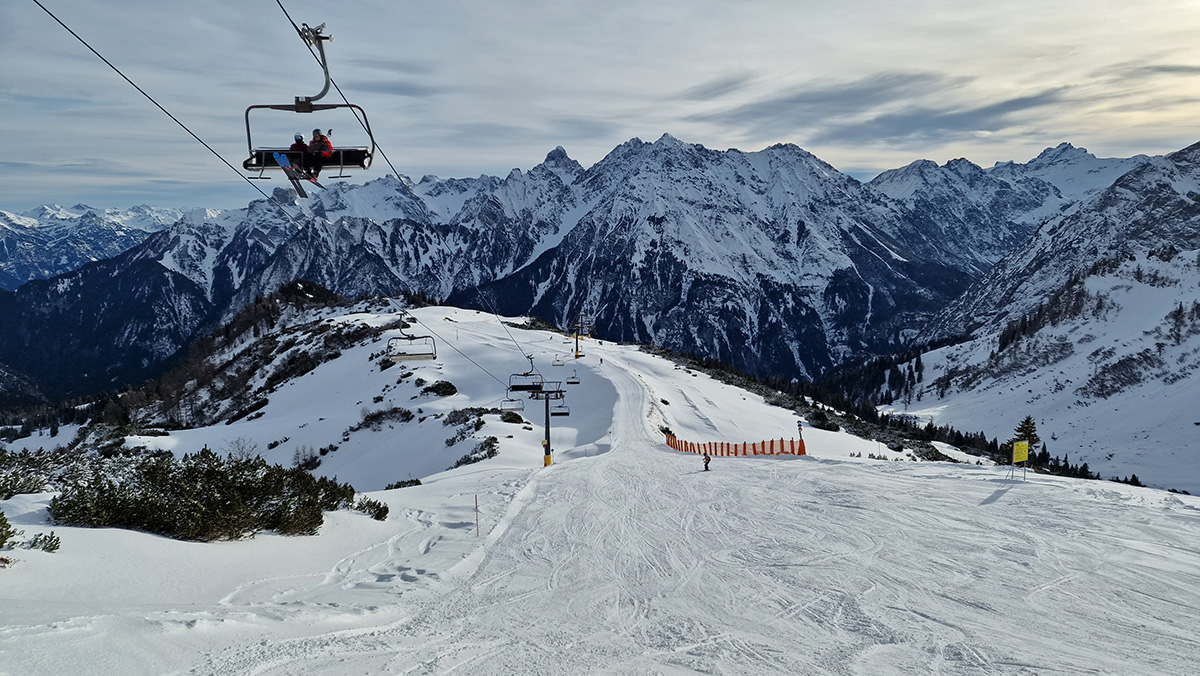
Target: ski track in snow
x=634 y=561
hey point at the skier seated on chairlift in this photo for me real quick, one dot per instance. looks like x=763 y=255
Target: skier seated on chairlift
x=320 y=150
x=298 y=150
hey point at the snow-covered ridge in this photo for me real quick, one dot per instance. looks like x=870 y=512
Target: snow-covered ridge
x=1093 y=325
x=51 y=239
x=1075 y=172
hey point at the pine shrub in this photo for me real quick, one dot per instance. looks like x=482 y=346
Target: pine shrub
x=375 y=420
x=47 y=542
x=488 y=448
x=6 y=531
x=376 y=509
x=442 y=388
x=403 y=484
x=202 y=496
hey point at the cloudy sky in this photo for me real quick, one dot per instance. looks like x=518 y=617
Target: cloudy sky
x=468 y=87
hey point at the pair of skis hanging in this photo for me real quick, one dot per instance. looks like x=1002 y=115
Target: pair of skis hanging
x=295 y=175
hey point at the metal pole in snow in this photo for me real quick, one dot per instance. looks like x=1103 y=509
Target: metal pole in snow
x=476 y=516
x=546 y=441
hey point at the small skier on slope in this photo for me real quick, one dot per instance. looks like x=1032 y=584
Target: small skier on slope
x=706 y=461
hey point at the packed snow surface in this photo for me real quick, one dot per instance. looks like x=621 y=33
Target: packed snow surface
x=623 y=556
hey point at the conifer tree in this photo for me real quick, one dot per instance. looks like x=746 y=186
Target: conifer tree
x=6 y=531
x=1026 y=431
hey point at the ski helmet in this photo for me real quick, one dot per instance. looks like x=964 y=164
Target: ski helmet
x=316 y=132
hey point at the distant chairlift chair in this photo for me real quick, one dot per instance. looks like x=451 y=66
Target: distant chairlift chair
x=511 y=403
x=409 y=348
x=529 y=381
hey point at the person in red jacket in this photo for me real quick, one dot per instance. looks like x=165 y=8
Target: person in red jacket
x=320 y=150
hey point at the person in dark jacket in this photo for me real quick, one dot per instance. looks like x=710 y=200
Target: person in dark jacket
x=706 y=461
x=320 y=150
x=297 y=151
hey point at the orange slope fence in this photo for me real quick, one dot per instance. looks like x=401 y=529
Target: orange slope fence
x=725 y=449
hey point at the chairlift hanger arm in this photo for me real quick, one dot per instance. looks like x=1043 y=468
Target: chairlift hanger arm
x=313 y=37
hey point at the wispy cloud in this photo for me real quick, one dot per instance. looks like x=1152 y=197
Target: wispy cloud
x=717 y=88
x=394 y=88
x=582 y=128
x=1139 y=71
x=929 y=124
x=409 y=66
x=818 y=103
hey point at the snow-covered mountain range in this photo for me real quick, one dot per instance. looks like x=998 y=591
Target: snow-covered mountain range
x=772 y=260
x=51 y=240
x=1092 y=325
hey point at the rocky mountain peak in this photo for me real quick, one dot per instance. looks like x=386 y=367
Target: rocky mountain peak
x=562 y=165
x=964 y=167
x=1061 y=153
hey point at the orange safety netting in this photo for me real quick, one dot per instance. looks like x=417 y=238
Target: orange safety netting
x=725 y=449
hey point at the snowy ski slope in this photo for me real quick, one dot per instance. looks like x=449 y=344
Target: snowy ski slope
x=622 y=557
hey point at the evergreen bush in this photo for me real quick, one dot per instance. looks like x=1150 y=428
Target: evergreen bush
x=374 y=420
x=47 y=542
x=442 y=388
x=376 y=509
x=6 y=531
x=17 y=480
x=488 y=448
x=403 y=484
x=202 y=496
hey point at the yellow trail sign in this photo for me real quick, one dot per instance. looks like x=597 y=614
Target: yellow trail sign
x=1020 y=451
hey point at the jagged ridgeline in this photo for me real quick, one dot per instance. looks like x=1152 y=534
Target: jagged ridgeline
x=772 y=261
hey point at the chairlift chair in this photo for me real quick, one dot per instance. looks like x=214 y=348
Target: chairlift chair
x=263 y=158
x=573 y=379
x=408 y=348
x=525 y=382
x=561 y=410
x=529 y=381
x=511 y=403
x=557 y=362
